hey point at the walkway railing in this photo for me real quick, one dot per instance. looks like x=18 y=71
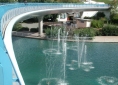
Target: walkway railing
x=9 y=11
x=13 y=10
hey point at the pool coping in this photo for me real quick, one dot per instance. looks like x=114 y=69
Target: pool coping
x=95 y=39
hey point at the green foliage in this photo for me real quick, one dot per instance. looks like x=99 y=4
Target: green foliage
x=6 y=1
x=113 y=8
x=54 y=31
x=100 y=15
x=17 y=27
x=24 y=29
x=51 y=32
x=97 y=23
x=52 y=17
x=106 y=1
x=99 y=32
x=31 y=20
x=89 y=32
x=34 y=30
x=67 y=1
x=114 y=18
x=110 y=30
x=88 y=17
x=70 y=1
x=47 y=31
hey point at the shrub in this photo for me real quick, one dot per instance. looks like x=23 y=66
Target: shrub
x=114 y=18
x=47 y=31
x=17 y=27
x=24 y=29
x=52 y=32
x=89 y=32
x=98 y=32
x=110 y=30
x=34 y=30
x=97 y=23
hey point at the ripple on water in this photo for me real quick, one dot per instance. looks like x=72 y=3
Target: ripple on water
x=107 y=80
x=52 y=81
x=51 y=52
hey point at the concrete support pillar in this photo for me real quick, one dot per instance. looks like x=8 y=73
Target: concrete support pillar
x=107 y=14
x=40 y=28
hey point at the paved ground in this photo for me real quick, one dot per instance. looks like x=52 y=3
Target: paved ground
x=95 y=39
x=26 y=34
x=105 y=39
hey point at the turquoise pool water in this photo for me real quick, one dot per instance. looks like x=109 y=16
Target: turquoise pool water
x=33 y=63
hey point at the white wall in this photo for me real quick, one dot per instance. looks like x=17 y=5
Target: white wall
x=91 y=13
x=62 y=17
x=88 y=13
x=88 y=24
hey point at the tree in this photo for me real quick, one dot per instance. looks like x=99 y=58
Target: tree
x=50 y=16
x=17 y=27
x=6 y=1
x=100 y=15
x=113 y=6
x=114 y=18
x=113 y=11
